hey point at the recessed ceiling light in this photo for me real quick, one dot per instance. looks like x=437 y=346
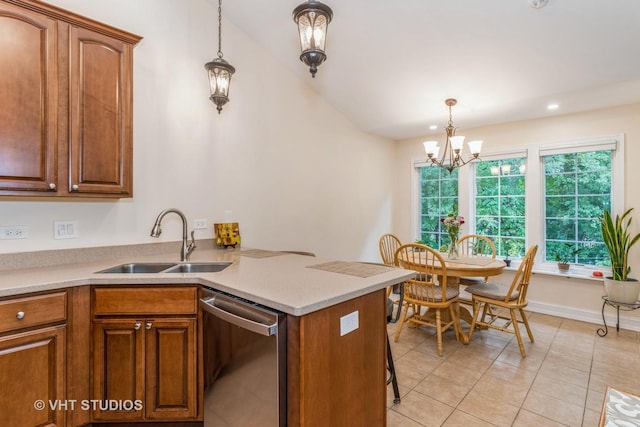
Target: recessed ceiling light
x=537 y=4
x=433 y=127
x=553 y=107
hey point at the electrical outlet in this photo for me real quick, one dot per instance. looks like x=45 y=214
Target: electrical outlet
x=14 y=232
x=199 y=224
x=349 y=323
x=65 y=229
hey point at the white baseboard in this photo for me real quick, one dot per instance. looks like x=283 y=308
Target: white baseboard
x=628 y=323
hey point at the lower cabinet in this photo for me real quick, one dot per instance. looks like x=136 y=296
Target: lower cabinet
x=145 y=367
x=32 y=361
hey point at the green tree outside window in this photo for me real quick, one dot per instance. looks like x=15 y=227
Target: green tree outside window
x=500 y=204
x=577 y=191
x=438 y=196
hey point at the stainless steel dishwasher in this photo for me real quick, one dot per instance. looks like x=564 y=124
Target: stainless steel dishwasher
x=244 y=350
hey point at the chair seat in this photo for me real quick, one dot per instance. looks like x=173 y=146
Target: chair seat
x=471 y=281
x=451 y=293
x=495 y=291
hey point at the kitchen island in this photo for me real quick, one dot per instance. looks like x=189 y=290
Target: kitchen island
x=333 y=378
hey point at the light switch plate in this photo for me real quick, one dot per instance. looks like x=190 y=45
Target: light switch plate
x=65 y=230
x=349 y=323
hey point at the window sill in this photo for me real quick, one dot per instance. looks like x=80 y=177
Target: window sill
x=574 y=272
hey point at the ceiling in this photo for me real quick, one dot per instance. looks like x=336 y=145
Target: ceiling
x=392 y=63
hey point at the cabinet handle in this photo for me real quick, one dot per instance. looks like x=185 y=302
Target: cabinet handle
x=52 y=186
x=20 y=315
x=74 y=187
x=136 y=326
x=149 y=324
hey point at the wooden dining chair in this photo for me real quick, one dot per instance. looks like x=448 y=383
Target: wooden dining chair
x=489 y=298
x=388 y=245
x=427 y=290
x=475 y=245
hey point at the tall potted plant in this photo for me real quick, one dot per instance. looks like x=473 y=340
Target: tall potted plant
x=616 y=236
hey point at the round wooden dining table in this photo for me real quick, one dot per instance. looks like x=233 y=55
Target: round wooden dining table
x=474 y=266
x=465 y=266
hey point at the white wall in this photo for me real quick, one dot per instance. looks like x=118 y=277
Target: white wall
x=571 y=297
x=294 y=172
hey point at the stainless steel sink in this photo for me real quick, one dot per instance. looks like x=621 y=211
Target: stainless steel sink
x=140 y=267
x=199 y=267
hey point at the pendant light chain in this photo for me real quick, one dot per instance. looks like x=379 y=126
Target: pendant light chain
x=219 y=28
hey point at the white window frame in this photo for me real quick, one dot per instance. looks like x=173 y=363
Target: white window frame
x=498 y=155
x=615 y=143
x=416 y=195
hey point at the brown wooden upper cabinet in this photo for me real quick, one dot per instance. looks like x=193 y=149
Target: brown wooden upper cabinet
x=66 y=109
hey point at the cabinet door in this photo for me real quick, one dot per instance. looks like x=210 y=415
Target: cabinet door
x=171 y=357
x=32 y=378
x=28 y=106
x=100 y=129
x=118 y=369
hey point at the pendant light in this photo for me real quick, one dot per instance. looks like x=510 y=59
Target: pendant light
x=312 y=18
x=220 y=71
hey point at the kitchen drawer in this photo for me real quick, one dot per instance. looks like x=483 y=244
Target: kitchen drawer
x=145 y=300
x=28 y=311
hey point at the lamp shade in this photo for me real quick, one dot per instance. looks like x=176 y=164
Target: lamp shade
x=220 y=72
x=475 y=147
x=456 y=142
x=312 y=18
x=430 y=147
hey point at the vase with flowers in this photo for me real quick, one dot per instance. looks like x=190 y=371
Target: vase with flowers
x=451 y=224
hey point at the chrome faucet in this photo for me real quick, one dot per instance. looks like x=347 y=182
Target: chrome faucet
x=187 y=247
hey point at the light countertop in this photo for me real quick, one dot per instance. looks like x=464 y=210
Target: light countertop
x=284 y=282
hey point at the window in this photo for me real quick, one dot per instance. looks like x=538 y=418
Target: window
x=438 y=195
x=500 y=204
x=549 y=195
x=577 y=190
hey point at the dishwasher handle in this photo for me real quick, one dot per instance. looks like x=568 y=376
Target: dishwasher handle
x=241 y=314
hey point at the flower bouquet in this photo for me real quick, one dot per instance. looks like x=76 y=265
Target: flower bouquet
x=451 y=224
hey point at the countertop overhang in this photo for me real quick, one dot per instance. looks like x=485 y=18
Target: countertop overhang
x=283 y=282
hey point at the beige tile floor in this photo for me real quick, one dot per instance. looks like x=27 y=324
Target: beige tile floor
x=561 y=382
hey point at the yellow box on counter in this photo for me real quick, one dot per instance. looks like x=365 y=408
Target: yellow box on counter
x=227 y=234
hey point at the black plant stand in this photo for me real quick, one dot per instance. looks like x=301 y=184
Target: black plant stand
x=618 y=306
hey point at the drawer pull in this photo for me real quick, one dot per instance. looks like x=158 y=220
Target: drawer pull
x=136 y=326
x=20 y=315
x=149 y=324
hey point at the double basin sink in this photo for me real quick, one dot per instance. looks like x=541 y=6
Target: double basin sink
x=155 y=267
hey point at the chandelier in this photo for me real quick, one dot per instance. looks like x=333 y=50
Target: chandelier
x=220 y=71
x=451 y=157
x=312 y=18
